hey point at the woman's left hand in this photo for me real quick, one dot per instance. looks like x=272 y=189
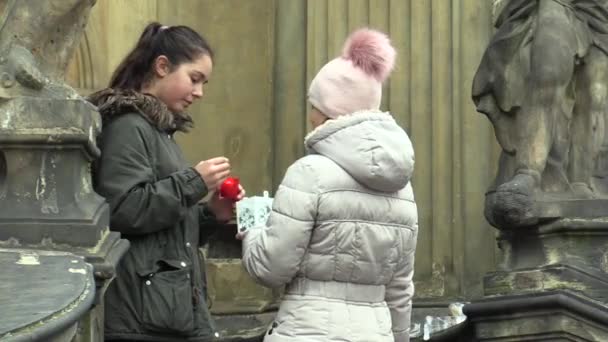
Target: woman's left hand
x=223 y=208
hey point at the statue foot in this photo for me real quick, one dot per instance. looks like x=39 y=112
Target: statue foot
x=512 y=204
x=582 y=190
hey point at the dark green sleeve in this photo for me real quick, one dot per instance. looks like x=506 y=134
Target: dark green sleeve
x=140 y=204
x=208 y=224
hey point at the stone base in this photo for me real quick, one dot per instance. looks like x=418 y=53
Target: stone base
x=551 y=285
x=565 y=254
x=43 y=294
x=243 y=328
x=546 y=316
x=104 y=259
x=233 y=291
x=243 y=310
x=553 y=277
x=509 y=210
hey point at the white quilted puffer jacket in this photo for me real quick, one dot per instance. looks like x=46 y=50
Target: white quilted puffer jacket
x=342 y=235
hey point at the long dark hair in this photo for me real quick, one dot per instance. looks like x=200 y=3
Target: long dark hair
x=179 y=44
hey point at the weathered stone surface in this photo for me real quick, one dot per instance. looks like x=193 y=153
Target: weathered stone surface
x=565 y=254
x=47 y=143
x=243 y=309
x=37 y=40
x=232 y=291
x=545 y=316
x=244 y=327
x=48 y=198
x=542 y=84
x=553 y=276
x=43 y=294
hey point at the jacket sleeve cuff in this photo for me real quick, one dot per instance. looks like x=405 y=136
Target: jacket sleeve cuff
x=195 y=186
x=207 y=216
x=208 y=224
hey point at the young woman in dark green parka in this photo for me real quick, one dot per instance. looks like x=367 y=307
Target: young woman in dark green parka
x=155 y=196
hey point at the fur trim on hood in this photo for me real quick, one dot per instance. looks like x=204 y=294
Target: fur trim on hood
x=115 y=102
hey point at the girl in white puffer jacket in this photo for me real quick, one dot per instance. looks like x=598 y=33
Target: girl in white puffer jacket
x=342 y=232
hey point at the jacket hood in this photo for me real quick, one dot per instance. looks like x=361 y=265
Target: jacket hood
x=369 y=145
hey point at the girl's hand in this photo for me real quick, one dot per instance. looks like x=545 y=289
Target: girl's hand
x=240 y=235
x=223 y=208
x=242 y=193
x=213 y=171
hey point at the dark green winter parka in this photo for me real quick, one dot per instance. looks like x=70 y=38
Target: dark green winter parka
x=154 y=195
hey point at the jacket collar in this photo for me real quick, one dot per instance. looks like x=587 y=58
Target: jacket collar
x=115 y=102
x=331 y=126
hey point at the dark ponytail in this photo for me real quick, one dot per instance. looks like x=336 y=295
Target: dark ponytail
x=180 y=44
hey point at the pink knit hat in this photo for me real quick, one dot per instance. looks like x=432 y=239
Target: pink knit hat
x=353 y=81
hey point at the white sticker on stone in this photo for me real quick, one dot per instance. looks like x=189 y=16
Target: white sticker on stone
x=77 y=270
x=29 y=259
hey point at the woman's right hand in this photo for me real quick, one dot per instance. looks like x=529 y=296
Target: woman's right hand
x=213 y=171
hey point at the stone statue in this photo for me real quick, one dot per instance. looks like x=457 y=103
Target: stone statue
x=49 y=211
x=37 y=40
x=543 y=83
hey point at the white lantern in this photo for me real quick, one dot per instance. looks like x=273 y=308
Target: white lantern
x=253 y=212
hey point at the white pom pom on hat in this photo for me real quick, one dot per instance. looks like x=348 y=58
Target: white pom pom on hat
x=353 y=81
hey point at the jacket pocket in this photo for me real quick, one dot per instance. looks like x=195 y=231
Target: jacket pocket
x=167 y=296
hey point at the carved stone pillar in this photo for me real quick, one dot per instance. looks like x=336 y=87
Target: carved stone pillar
x=52 y=224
